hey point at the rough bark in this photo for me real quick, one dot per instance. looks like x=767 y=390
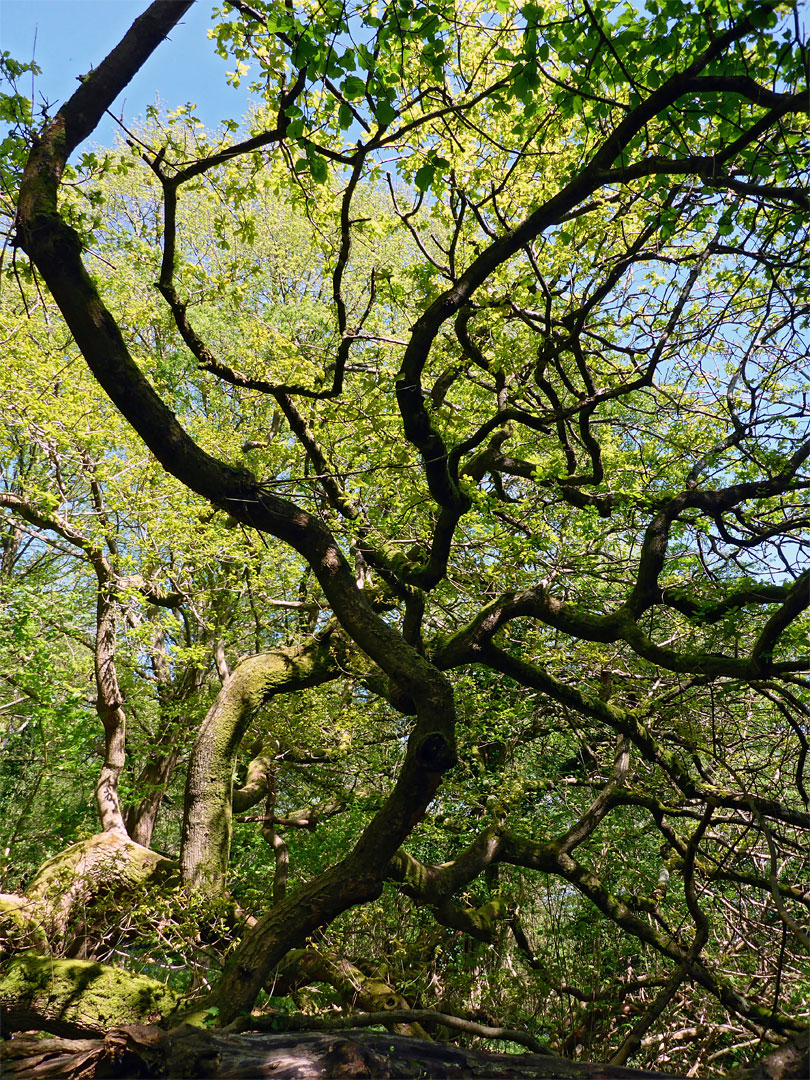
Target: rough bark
x=150 y=1052
x=110 y=708
x=109 y=699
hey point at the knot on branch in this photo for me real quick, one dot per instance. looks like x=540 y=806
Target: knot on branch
x=350 y=1058
x=435 y=753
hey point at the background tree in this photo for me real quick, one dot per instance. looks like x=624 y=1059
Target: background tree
x=493 y=324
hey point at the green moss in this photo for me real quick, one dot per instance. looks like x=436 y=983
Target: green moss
x=103 y=859
x=82 y=993
x=19 y=926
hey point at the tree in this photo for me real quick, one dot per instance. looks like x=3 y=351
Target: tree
x=521 y=414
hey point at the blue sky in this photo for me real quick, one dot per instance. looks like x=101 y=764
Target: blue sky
x=68 y=37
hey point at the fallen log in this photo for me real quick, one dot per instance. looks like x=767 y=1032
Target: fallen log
x=790 y=1061
x=148 y=1051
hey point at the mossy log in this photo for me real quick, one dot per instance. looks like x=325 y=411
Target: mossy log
x=208 y=819
x=20 y=926
x=76 y=997
x=104 y=865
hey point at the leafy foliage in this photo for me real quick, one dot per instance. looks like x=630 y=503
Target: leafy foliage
x=471 y=375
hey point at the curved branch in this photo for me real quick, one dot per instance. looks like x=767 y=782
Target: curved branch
x=395 y=1017
x=210 y=800
x=796 y=601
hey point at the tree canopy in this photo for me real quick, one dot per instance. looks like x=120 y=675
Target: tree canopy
x=404 y=534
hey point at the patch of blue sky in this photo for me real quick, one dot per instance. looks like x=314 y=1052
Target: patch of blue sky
x=66 y=38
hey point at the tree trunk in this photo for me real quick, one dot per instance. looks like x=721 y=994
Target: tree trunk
x=357 y=990
x=207 y=824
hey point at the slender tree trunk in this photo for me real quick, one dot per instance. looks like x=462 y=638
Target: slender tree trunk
x=110 y=708
x=140 y=819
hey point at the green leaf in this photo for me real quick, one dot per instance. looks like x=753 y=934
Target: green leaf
x=353 y=88
x=318 y=169
x=385 y=113
x=345 y=116
x=424 y=177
